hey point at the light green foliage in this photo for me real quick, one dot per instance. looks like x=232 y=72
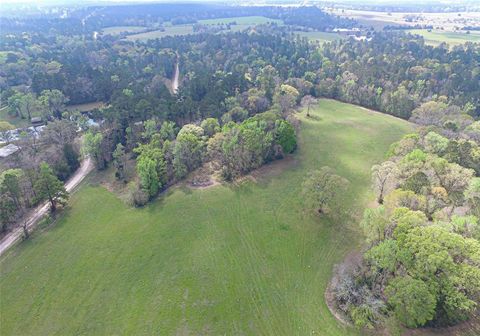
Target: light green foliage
x=285 y=136
x=435 y=143
x=147 y=172
x=362 y=316
x=405 y=198
x=322 y=191
x=267 y=80
x=467 y=226
x=150 y=127
x=412 y=301
x=167 y=131
x=286 y=97
x=190 y=129
x=210 y=126
x=24 y=105
x=407 y=144
x=48 y=187
x=443 y=259
x=246 y=146
x=151 y=167
x=54 y=102
x=92 y=143
x=472 y=195
x=189 y=150
x=400 y=103
x=383 y=257
x=405 y=220
x=374 y=224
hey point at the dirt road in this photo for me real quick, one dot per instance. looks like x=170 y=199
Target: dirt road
x=41 y=210
x=175 y=79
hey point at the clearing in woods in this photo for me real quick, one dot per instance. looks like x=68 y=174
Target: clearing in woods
x=229 y=259
x=435 y=37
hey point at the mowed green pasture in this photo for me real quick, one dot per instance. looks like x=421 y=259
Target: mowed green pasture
x=436 y=37
x=240 y=259
x=168 y=31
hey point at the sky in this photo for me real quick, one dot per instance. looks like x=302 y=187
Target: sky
x=77 y=2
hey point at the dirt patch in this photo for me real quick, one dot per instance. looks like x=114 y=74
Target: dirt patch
x=470 y=327
x=273 y=169
x=352 y=258
x=204 y=177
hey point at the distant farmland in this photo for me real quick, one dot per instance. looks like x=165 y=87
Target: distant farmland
x=436 y=37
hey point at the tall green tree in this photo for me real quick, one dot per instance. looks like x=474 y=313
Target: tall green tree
x=322 y=191
x=48 y=187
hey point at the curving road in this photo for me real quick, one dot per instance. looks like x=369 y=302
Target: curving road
x=41 y=210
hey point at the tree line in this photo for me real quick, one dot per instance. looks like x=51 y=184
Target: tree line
x=421 y=262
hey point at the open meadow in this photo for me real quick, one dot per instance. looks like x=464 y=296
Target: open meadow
x=240 y=259
x=168 y=31
x=436 y=37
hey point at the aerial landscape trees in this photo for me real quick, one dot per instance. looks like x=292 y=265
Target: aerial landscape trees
x=76 y=82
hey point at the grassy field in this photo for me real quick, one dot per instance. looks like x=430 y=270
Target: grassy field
x=243 y=20
x=448 y=20
x=242 y=23
x=122 y=29
x=227 y=260
x=435 y=37
x=169 y=31
x=320 y=36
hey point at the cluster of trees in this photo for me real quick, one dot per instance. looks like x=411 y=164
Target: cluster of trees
x=422 y=260
x=27 y=180
x=164 y=155
x=395 y=73
x=22 y=189
x=151 y=14
x=48 y=105
x=242 y=147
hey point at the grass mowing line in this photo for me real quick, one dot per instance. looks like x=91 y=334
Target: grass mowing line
x=234 y=259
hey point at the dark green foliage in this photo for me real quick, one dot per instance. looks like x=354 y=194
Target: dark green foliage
x=71 y=157
x=48 y=187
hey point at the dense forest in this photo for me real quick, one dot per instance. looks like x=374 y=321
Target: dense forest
x=234 y=111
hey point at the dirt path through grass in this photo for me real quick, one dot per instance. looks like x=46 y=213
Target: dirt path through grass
x=41 y=210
